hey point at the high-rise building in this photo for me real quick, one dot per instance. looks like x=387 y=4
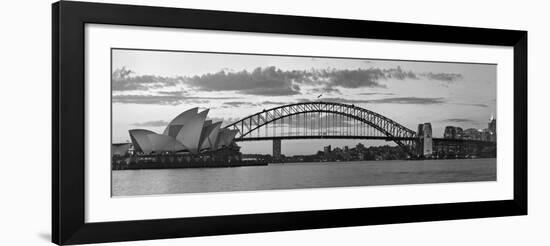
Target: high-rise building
x=492 y=126
x=450 y=132
x=453 y=132
x=471 y=134
x=459 y=133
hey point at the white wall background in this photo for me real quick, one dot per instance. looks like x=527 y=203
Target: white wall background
x=25 y=63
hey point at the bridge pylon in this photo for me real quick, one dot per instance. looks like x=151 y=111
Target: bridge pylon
x=276 y=148
x=424 y=145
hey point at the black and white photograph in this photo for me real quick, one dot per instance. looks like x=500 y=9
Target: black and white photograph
x=195 y=122
x=131 y=122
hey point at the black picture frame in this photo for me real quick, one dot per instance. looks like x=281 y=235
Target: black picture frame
x=68 y=118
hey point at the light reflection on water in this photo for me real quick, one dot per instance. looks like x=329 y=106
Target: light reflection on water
x=300 y=175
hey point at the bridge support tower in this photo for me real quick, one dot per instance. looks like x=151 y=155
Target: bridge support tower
x=424 y=144
x=276 y=148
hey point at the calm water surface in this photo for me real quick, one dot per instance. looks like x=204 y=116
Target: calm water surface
x=300 y=175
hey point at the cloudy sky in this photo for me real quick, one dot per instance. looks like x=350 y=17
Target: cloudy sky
x=149 y=88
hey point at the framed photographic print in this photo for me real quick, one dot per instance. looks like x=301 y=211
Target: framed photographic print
x=176 y=122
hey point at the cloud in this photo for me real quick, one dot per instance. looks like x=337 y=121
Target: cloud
x=172 y=93
x=273 y=103
x=398 y=73
x=390 y=100
x=122 y=72
x=147 y=99
x=355 y=78
x=481 y=105
x=238 y=104
x=155 y=123
x=410 y=100
x=458 y=120
x=225 y=121
x=163 y=99
x=376 y=93
x=272 y=81
x=445 y=77
x=328 y=90
x=371 y=77
x=268 y=81
x=122 y=81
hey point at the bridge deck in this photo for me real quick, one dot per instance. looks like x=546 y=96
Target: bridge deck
x=356 y=137
x=323 y=137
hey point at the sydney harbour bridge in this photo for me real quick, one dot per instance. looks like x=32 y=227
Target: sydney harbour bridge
x=330 y=120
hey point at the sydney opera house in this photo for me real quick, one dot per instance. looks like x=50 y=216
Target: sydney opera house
x=188 y=132
x=187 y=135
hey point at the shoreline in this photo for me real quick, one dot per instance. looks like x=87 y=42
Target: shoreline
x=181 y=165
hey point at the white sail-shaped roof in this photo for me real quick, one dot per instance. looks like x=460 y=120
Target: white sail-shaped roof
x=190 y=133
x=206 y=128
x=140 y=140
x=175 y=126
x=232 y=134
x=211 y=136
x=225 y=137
x=164 y=143
x=220 y=142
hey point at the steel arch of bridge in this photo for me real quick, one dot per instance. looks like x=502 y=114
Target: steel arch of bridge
x=390 y=129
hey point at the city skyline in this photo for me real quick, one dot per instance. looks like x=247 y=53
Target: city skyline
x=151 y=87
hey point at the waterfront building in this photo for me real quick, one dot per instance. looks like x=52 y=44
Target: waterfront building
x=492 y=126
x=327 y=150
x=453 y=132
x=450 y=132
x=471 y=134
x=188 y=132
x=493 y=137
x=485 y=135
x=120 y=149
x=459 y=133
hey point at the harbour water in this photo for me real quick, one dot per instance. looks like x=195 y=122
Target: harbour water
x=300 y=175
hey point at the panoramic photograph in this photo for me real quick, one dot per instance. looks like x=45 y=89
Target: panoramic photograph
x=195 y=122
